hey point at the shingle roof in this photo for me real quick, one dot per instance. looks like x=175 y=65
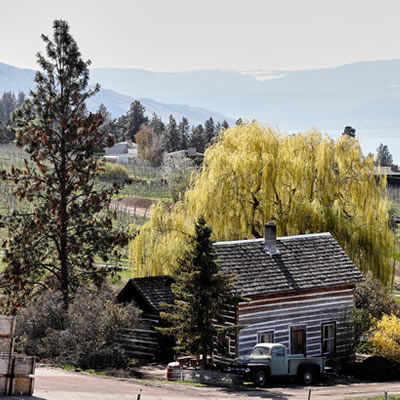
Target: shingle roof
x=304 y=262
x=153 y=289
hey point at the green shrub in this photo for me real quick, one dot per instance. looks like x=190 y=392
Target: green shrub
x=372 y=301
x=114 y=172
x=86 y=336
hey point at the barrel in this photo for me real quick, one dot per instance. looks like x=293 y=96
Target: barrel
x=173 y=373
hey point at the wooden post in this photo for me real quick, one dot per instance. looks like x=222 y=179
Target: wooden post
x=385 y=395
x=309 y=394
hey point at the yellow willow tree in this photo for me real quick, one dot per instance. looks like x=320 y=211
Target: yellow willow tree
x=307 y=182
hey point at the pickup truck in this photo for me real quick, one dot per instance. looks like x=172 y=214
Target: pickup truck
x=272 y=360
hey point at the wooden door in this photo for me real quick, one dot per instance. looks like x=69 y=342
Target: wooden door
x=298 y=341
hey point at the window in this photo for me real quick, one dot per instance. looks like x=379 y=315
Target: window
x=266 y=337
x=279 y=352
x=260 y=351
x=328 y=337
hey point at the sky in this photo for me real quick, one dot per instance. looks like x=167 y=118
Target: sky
x=178 y=35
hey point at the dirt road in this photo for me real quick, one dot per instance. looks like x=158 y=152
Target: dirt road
x=54 y=384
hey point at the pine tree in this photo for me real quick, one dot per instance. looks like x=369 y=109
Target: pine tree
x=172 y=139
x=197 y=138
x=383 y=156
x=53 y=245
x=202 y=292
x=209 y=131
x=134 y=119
x=184 y=130
x=157 y=125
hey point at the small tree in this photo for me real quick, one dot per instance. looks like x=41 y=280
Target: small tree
x=383 y=156
x=53 y=245
x=149 y=145
x=202 y=292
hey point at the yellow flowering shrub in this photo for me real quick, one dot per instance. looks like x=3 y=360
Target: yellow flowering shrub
x=385 y=340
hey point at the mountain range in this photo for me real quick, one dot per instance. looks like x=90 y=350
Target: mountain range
x=365 y=95
x=13 y=79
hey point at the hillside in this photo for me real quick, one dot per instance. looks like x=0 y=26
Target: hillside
x=14 y=79
x=365 y=94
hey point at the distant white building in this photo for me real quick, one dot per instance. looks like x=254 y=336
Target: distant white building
x=122 y=153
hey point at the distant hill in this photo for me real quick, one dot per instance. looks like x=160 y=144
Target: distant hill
x=14 y=79
x=365 y=95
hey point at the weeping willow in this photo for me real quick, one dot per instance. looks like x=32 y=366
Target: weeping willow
x=306 y=182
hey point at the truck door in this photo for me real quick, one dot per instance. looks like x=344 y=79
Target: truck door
x=298 y=340
x=279 y=361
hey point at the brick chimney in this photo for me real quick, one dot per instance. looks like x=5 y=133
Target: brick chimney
x=270 y=239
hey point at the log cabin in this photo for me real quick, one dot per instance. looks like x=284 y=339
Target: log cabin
x=300 y=292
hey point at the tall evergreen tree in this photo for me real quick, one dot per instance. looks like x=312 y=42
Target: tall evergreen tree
x=197 y=138
x=184 y=131
x=383 y=156
x=134 y=120
x=209 y=131
x=54 y=244
x=157 y=125
x=172 y=139
x=202 y=292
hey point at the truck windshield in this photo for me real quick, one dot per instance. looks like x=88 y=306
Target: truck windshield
x=260 y=351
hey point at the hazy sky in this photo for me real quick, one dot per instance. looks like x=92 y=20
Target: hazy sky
x=175 y=35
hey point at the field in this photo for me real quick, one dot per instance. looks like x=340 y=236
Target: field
x=151 y=189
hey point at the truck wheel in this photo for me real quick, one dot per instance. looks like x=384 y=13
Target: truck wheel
x=307 y=376
x=261 y=378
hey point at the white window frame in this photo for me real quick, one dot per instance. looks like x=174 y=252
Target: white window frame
x=270 y=332
x=331 y=339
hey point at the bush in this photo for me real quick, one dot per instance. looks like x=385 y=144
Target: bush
x=114 y=172
x=86 y=336
x=372 y=301
x=385 y=339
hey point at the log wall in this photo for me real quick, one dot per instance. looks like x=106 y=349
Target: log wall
x=278 y=314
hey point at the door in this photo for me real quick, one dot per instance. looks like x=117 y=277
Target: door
x=298 y=340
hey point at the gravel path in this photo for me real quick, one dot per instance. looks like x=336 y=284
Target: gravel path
x=56 y=384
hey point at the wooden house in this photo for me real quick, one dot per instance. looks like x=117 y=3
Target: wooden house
x=148 y=295
x=300 y=291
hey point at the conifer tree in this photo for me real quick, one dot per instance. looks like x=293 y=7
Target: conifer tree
x=184 y=130
x=202 y=292
x=134 y=120
x=54 y=243
x=197 y=138
x=383 y=156
x=172 y=139
x=209 y=131
x=157 y=125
